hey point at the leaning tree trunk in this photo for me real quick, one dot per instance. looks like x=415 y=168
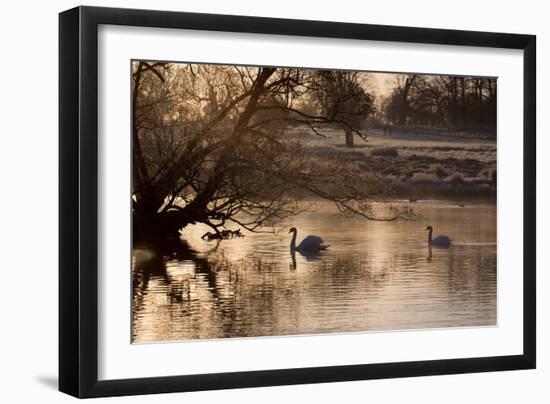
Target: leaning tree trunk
x=152 y=221
x=153 y=226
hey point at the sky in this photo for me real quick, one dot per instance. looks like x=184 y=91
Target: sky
x=383 y=83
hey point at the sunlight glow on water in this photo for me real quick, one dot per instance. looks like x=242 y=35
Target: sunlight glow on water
x=375 y=276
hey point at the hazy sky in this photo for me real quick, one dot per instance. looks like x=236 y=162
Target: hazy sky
x=383 y=83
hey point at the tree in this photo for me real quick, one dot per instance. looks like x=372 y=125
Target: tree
x=443 y=101
x=342 y=96
x=405 y=85
x=213 y=144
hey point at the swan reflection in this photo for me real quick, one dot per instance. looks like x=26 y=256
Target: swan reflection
x=308 y=255
x=254 y=286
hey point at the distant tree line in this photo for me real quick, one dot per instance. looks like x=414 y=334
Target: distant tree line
x=442 y=101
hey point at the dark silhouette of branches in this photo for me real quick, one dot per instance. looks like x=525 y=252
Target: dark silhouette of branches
x=223 y=146
x=443 y=101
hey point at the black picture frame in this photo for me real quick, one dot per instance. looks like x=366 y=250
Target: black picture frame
x=78 y=203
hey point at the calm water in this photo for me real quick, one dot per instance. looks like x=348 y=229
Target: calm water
x=375 y=276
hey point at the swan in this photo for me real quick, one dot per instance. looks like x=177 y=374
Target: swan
x=310 y=243
x=439 y=240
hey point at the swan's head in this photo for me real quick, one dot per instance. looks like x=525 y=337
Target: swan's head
x=430 y=228
x=292 y=230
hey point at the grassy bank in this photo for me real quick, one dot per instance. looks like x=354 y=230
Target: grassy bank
x=414 y=164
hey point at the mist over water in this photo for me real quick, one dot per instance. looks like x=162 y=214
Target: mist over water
x=375 y=276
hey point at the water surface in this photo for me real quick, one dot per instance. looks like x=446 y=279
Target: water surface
x=375 y=276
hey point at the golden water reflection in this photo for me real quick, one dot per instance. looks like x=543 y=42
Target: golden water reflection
x=375 y=276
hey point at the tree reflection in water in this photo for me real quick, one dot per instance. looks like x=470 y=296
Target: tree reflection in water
x=374 y=277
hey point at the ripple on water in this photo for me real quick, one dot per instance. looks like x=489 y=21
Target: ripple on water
x=375 y=276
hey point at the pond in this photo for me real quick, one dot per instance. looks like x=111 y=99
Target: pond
x=374 y=276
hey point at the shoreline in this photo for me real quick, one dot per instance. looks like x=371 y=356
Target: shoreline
x=415 y=165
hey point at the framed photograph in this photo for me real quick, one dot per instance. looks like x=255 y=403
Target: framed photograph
x=251 y=201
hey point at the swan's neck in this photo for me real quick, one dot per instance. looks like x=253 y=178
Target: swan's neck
x=430 y=236
x=293 y=257
x=293 y=241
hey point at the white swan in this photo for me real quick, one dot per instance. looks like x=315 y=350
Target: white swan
x=439 y=240
x=310 y=243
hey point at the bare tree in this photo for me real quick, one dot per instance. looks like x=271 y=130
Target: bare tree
x=221 y=145
x=405 y=85
x=342 y=97
x=443 y=101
